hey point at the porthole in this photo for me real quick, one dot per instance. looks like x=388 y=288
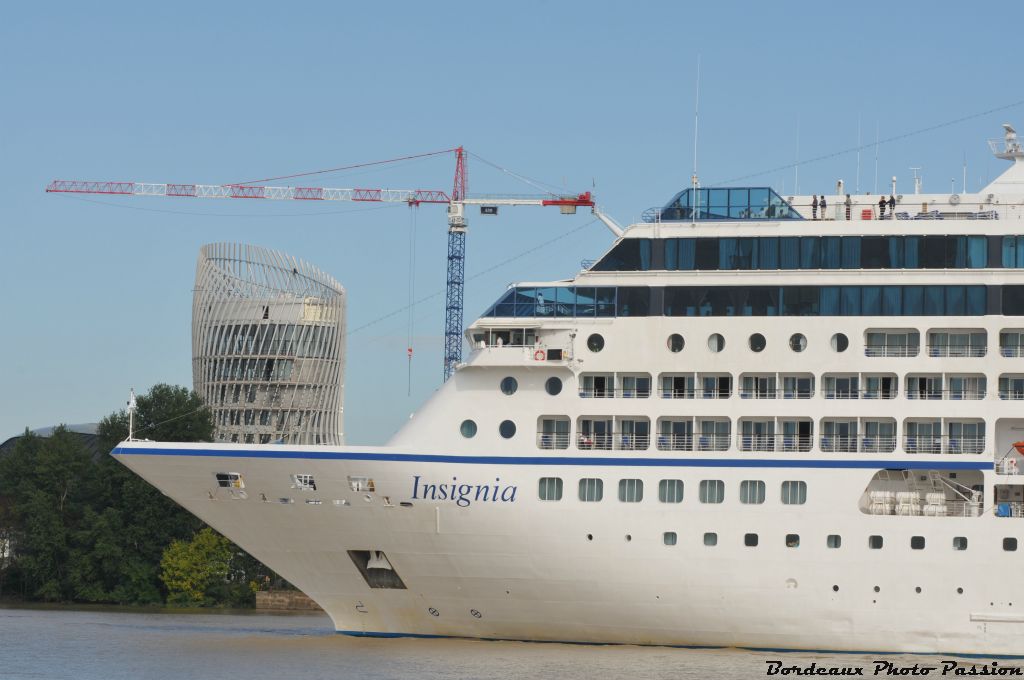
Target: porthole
x=877 y=589
x=595 y=343
x=716 y=343
x=840 y=342
x=629 y=538
x=917 y=589
x=553 y=386
x=676 y=343
x=590 y=537
x=797 y=342
x=468 y=429
x=507 y=429
x=509 y=385
x=959 y=591
x=757 y=342
x=835 y=589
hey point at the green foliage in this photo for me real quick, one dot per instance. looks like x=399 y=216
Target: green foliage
x=192 y=569
x=84 y=528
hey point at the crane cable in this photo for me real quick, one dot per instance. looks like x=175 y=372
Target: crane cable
x=413 y=210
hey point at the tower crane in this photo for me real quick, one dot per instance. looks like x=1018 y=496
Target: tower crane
x=457 y=220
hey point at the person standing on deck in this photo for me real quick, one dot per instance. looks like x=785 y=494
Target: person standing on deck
x=881 y=208
x=849 y=207
x=892 y=207
x=814 y=208
x=822 y=204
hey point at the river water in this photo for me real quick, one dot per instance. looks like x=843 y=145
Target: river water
x=97 y=644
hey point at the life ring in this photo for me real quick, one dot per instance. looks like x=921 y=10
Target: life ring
x=539 y=355
x=1020 y=447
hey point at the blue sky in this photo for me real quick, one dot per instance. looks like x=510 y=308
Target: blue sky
x=97 y=293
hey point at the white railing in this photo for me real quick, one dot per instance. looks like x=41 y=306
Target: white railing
x=1012 y=395
x=935 y=395
x=892 y=350
x=687 y=393
x=1011 y=350
x=713 y=442
x=779 y=393
x=774 y=442
x=857 y=443
x=613 y=442
x=613 y=393
x=553 y=440
x=942 y=350
x=861 y=394
x=943 y=444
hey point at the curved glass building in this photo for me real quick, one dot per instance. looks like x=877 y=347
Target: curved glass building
x=268 y=343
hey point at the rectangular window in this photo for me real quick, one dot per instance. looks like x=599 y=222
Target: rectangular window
x=550 y=489
x=750 y=540
x=875 y=542
x=794 y=493
x=670 y=491
x=752 y=492
x=834 y=541
x=712 y=491
x=304 y=482
x=591 y=490
x=917 y=542
x=1010 y=544
x=710 y=539
x=631 y=490
x=959 y=543
x=669 y=538
x=792 y=540
x=230 y=480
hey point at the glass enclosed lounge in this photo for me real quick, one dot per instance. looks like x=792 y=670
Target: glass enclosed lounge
x=739 y=203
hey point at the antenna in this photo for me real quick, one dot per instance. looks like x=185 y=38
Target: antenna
x=132 y=406
x=917 y=180
x=696 y=119
x=796 y=166
x=856 y=184
x=963 y=186
x=875 y=187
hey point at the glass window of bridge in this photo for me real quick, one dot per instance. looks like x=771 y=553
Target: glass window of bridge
x=550 y=489
x=670 y=491
x=633 y=301
x=794 y=492
x=712 y=491
x=631 y=490
x=1013 y=252
x=751 y=492
x=591 y=490
x=629 y=254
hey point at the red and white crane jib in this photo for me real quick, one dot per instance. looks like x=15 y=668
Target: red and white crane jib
x=408 y=196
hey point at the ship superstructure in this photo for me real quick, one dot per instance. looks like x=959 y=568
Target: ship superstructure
x=751 y=422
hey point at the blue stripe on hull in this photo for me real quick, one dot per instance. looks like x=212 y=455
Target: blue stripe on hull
x=561 y=460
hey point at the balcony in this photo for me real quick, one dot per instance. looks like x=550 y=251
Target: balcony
x=787 y=443
x=613 y=393
x=891 y=350
x=675 y=442
x=552 y=440
x=616 y=441
x=943 y=444
x=937 y=395
x=946 y=350
x=857 y=444
x=684 y=393
x=778 y=393
x=891 y=393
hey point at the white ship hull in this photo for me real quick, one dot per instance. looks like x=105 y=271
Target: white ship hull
x=518 y=569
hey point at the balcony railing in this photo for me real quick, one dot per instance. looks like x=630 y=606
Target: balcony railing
x=669 y=393
x=774 y=442
x=713 y=442
x=675 y=442
x=940 y=350
x=1011 y=351
x=943 y=444
x=779 y=393
x=613 y=393
x=1012 y=395
x=857 y=443
x=616 y=441
x=553 y=440
x=954 y=395
x=861 y=394
x=891 y=350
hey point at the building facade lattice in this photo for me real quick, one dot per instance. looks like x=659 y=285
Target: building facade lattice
x=268 y=344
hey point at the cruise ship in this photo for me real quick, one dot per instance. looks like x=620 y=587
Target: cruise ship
x=754 y=422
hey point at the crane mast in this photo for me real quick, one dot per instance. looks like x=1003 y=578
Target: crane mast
x=457 y=222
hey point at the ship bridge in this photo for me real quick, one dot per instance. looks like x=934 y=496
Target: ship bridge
x=732 y=203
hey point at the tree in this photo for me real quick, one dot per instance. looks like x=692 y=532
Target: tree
x=192 y=569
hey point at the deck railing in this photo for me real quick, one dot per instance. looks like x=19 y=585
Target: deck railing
x=943 y=444
x=892 y=350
